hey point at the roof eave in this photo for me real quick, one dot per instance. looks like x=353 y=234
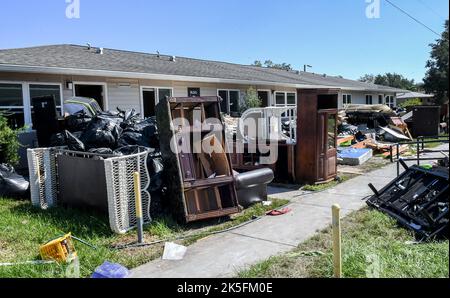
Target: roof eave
x=153 y=76
x=150 y=76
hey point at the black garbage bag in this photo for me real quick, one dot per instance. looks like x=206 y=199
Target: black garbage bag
x=112 y=116
x=58 y=140
x=73 y=143
x=156 y=168
x=102 y=132
x=130 y=118
x=78 y=122
x=102 y=151
x=142 y=133
x=157 y=186
x=12 y=185
x=131 y=138
x=68 y=139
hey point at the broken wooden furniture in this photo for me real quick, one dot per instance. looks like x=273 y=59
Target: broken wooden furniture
x=316 y=154
x=263 y=127
x=418 y=200
x=200 y=184
x=424 y=121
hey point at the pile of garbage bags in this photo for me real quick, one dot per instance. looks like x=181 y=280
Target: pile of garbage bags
x=12 y=185
x=116 y=134
x=106 y=132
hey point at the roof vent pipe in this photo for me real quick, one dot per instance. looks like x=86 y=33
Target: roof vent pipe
x=100 y=51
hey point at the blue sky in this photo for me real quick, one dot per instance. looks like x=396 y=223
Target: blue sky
x=335 y=37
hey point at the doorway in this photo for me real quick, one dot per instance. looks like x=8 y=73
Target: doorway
x=264 y=96
x=91 y=91
x=151 y=96
x=149 y=101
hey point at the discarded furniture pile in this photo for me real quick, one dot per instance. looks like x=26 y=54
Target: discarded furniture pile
x=418 y=199
x=365 y=130
x=92 y=157
x=423 y=121
x=258 y=131
x=297 y=140
x=202 y=183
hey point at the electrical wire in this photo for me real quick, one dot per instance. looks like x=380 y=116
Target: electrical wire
x=254 y=219
x=432 y=9
x=411 y=17
x=139 y=245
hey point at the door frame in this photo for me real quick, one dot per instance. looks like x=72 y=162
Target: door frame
x=141 y=95
x=105 y=91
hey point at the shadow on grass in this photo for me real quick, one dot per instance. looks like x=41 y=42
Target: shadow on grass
x=81 y=222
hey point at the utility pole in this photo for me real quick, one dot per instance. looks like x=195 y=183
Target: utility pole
x=306 y=66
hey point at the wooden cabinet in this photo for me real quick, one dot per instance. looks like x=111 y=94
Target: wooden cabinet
x=197 y=167
x=316 y=153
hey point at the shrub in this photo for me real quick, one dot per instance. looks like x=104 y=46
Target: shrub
x=410 y=103
x=251 y=100
x=9 y=143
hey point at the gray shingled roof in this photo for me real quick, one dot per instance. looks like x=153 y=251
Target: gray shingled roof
x=82 y=58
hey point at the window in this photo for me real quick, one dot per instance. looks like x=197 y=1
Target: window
x=380 y=99
x=390 y=101
x=230 y=101
x=193 y=92
x=284 y=99
x=163 y=93
x=331 y=131
x=369 y=99
x=347 y=99
x=11 y=104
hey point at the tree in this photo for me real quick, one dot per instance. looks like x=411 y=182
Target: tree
x=394 y=80
x=367 y=78
x=251 y=100
x=257 y=63
x=436 y=78
x=270 y=64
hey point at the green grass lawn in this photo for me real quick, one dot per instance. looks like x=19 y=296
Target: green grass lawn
x=373 y=246
x=324 y=186
x=24 y=228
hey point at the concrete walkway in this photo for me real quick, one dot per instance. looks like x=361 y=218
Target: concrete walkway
x=223 y=255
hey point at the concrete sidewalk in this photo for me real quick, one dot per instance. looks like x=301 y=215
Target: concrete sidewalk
x=223 y=255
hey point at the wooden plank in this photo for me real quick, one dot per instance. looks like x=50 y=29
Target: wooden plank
x=345 y=140
x=209 y=182
x=212 y=214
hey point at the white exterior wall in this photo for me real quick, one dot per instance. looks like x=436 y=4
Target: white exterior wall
x=124 y=97
x=126 y=93
x=359 y=97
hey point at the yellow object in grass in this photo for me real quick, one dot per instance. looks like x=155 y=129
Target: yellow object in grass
x=60 y=250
